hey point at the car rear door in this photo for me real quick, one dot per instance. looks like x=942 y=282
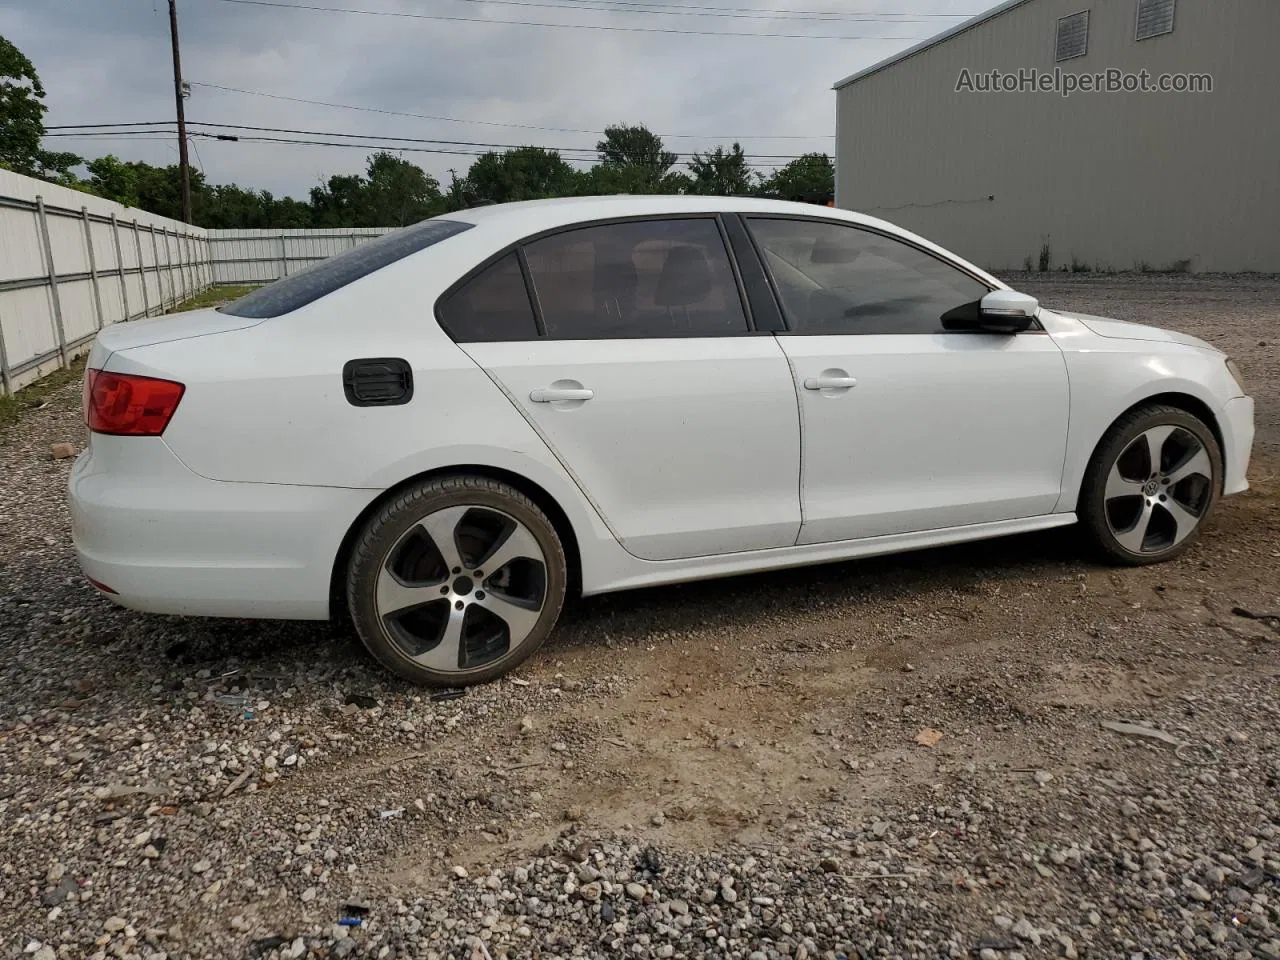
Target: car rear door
x=637 y=363
x=910 y=421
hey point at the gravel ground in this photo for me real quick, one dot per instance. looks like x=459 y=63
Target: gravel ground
x=903 y=757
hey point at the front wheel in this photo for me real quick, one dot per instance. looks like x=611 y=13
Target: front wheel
x=1151 y=485
x=456 y=581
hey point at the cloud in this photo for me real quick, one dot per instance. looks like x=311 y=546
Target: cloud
x=106 y=61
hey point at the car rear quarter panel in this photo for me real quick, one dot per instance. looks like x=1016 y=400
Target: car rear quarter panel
x=1109 y=376
x=266 y=404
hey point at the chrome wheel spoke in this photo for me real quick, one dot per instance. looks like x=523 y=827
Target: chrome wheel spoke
x=519 y=543
x=519 y=618
x=1133 y=538
x=1197 y=464
x=441 y=527
x=1185 y=520
x=1119 y=486
x=446 y=655
x=1155 y=439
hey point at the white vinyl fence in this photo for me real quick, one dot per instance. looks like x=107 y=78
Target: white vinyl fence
x=260 y=256
x=72 y=263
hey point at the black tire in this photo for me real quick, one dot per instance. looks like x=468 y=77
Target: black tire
x=402 y=513
x=1093 y=514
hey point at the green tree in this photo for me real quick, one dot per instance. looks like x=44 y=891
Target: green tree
x=525 y=173
x=635 y=155
x=810 y=175
x=338 y=202
x=114 y=179
x=398 y=193
x=604 y=179
x=160 y=190
x=394 y=193
x=22 y=113
x=230 y=206
x=721 y=173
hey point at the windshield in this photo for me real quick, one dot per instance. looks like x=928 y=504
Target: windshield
x=289 y=293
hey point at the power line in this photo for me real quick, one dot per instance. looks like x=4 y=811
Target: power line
x=562 y=26
x=754 y=161
x=86 y=126
x=121 y=136
x=389 y=141
x=496 y=123
x=742 y=13
x=757 y=162
x=910 y=16
x=393 y=113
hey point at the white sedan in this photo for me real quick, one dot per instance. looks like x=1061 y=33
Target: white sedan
x=445 y=431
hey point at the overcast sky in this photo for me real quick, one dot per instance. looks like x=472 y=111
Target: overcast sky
x=108 y=61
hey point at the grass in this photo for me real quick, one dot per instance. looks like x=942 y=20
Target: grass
x=214 y=297
x=12 y=408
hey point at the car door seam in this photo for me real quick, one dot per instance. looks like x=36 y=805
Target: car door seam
x=795 y=389
x=1066 y=440
x=560 y=459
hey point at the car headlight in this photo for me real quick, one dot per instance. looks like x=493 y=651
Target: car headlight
x=1237 y=376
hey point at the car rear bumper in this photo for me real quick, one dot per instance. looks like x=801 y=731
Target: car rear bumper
x=166 y=540
x=1237 y=434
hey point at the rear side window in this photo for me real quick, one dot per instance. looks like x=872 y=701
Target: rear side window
x=491 y=306
x=289 y=293
x=640 y=279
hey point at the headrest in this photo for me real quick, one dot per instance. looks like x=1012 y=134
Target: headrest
x=686 y=277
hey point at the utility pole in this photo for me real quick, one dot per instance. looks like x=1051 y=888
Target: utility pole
x=184 y=167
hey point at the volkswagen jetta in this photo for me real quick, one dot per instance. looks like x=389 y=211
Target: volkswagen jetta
x=446 y=430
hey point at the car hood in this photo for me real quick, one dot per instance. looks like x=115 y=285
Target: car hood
x=176 y=326
x=1123 y=330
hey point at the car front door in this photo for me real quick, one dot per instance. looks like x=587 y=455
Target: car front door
x=910 y=421
x=640 y=370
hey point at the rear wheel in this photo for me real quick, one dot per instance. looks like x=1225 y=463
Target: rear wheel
x=1152 y=485
x=456 y=581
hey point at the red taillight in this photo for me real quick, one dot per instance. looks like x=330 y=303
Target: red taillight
x=128 y=405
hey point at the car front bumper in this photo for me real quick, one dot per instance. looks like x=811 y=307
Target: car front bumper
x=164 y=540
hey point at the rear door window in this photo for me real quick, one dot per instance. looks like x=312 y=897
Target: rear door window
x=289 y=293
x=638 y=279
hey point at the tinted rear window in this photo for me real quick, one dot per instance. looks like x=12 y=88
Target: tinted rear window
x=492 y=306
x=289 y=293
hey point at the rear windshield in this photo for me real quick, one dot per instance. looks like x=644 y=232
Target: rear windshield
x=321 y=279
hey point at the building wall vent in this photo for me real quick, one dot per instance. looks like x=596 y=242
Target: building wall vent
x=1155 y=18
x=1073 y=36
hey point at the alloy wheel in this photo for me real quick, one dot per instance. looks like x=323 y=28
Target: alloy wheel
x=1158 y=490
x=463 y=587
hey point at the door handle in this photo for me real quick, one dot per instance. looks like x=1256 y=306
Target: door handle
x=552 y=394
x=830 y=383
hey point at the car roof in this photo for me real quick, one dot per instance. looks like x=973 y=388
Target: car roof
x=558 y=211
x=503 y=223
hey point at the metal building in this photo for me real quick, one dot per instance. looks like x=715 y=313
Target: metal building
x=1099 y=179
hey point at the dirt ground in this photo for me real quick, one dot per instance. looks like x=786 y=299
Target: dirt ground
x=223 y=788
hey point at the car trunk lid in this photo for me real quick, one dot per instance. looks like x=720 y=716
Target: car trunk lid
x=176 y=326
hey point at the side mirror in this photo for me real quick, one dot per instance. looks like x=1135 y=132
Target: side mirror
x=1007 y=311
